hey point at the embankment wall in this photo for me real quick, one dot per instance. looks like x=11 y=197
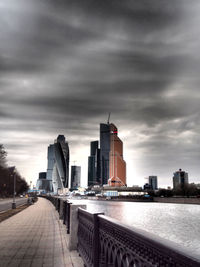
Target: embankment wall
x=179 y=200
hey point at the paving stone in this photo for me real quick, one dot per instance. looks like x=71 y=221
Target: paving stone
x=36 y=237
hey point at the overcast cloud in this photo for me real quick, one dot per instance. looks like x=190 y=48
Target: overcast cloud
x=65 y=64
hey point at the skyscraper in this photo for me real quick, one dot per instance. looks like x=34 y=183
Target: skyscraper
x=94 y=170
x=43 y=183
x=50 y=161
x=180 y=179
x=75 y=177
x=58 y=163
x=117 y=165
x=113 y=166
x=105 y=151
x=153 y=181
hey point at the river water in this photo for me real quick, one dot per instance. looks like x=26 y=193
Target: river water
x=179 y=223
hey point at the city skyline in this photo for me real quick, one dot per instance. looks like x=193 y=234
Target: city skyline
x=64 y=66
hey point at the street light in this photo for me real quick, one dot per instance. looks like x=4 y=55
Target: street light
x=14 y=177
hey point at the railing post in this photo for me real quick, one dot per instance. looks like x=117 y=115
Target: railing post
x=73 y=236
x=68 y=217
x=96 y=241
x=61 y=209
x=64 y=211
x=88 y=237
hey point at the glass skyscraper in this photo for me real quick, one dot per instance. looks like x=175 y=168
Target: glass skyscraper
x=117 y=165
x=94 y=168
x=58 y=163
x=105 y=151
x=106 y=165
x=75 y=177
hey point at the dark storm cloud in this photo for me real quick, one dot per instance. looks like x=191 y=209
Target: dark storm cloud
x=65 y=64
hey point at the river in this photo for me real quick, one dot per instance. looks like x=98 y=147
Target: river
x=179 y=223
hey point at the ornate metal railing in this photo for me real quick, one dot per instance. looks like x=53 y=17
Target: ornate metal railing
x=105 y=242
x=88 y=242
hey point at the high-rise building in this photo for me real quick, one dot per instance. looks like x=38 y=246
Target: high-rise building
x=75 y=177
x=106 y=165
x=58 y=163
x=180 y=179
x=117 y=165
x=42 y=175
x=43 y=183
x=153 y=182
x=105 y=151
x=94 y=170
x=50 y=161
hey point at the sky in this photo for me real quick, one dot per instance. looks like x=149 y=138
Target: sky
x=65 y=64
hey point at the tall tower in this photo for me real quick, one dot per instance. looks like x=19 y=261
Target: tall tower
x=113 y=166
x=75 y=177
x=117 y=165
x=105 y=151
x=180 y=179
x=94 y=171
x=58 y=163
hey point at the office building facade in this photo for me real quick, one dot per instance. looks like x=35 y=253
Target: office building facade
x=44 y=184
x=94 y=165
x=117 y=165
x=75 y=177
x=180 y=179
x=153 y=182
x=58 y=163
x=106 y=165
x=105 y=151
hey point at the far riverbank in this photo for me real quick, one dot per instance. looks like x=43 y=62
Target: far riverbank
x=174 y=200
x=177 y=200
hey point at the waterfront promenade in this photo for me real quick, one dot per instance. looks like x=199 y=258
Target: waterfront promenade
x=36 y=237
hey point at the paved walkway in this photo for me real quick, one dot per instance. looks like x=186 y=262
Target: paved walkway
x=36 y=237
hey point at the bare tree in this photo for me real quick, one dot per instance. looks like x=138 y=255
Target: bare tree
x=3 y=155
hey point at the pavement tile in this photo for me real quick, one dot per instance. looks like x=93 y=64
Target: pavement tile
x=36 y=237
x=4 y=263
x=25 y=263
x=14 y=263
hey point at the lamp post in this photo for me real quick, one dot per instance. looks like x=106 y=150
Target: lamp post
x=14 y=178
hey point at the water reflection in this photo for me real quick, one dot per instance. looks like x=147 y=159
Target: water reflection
x=176 y=222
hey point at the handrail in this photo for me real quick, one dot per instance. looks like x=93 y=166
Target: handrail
x=88 y=237
x=122 y=245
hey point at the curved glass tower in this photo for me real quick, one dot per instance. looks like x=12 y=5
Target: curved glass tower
x=58 y=163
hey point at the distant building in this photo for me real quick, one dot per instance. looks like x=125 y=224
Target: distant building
x=44 y=184
x=58 y=164
x=117 y=165
x=105 y=151
x=153 y=182
x=75 y=177
x=94 y=168
x=106 y=165
x=180 y=179
x=147 y=186
x=42 y=175
x=50 y=161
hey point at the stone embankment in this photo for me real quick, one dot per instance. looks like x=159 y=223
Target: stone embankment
x=177 y=200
